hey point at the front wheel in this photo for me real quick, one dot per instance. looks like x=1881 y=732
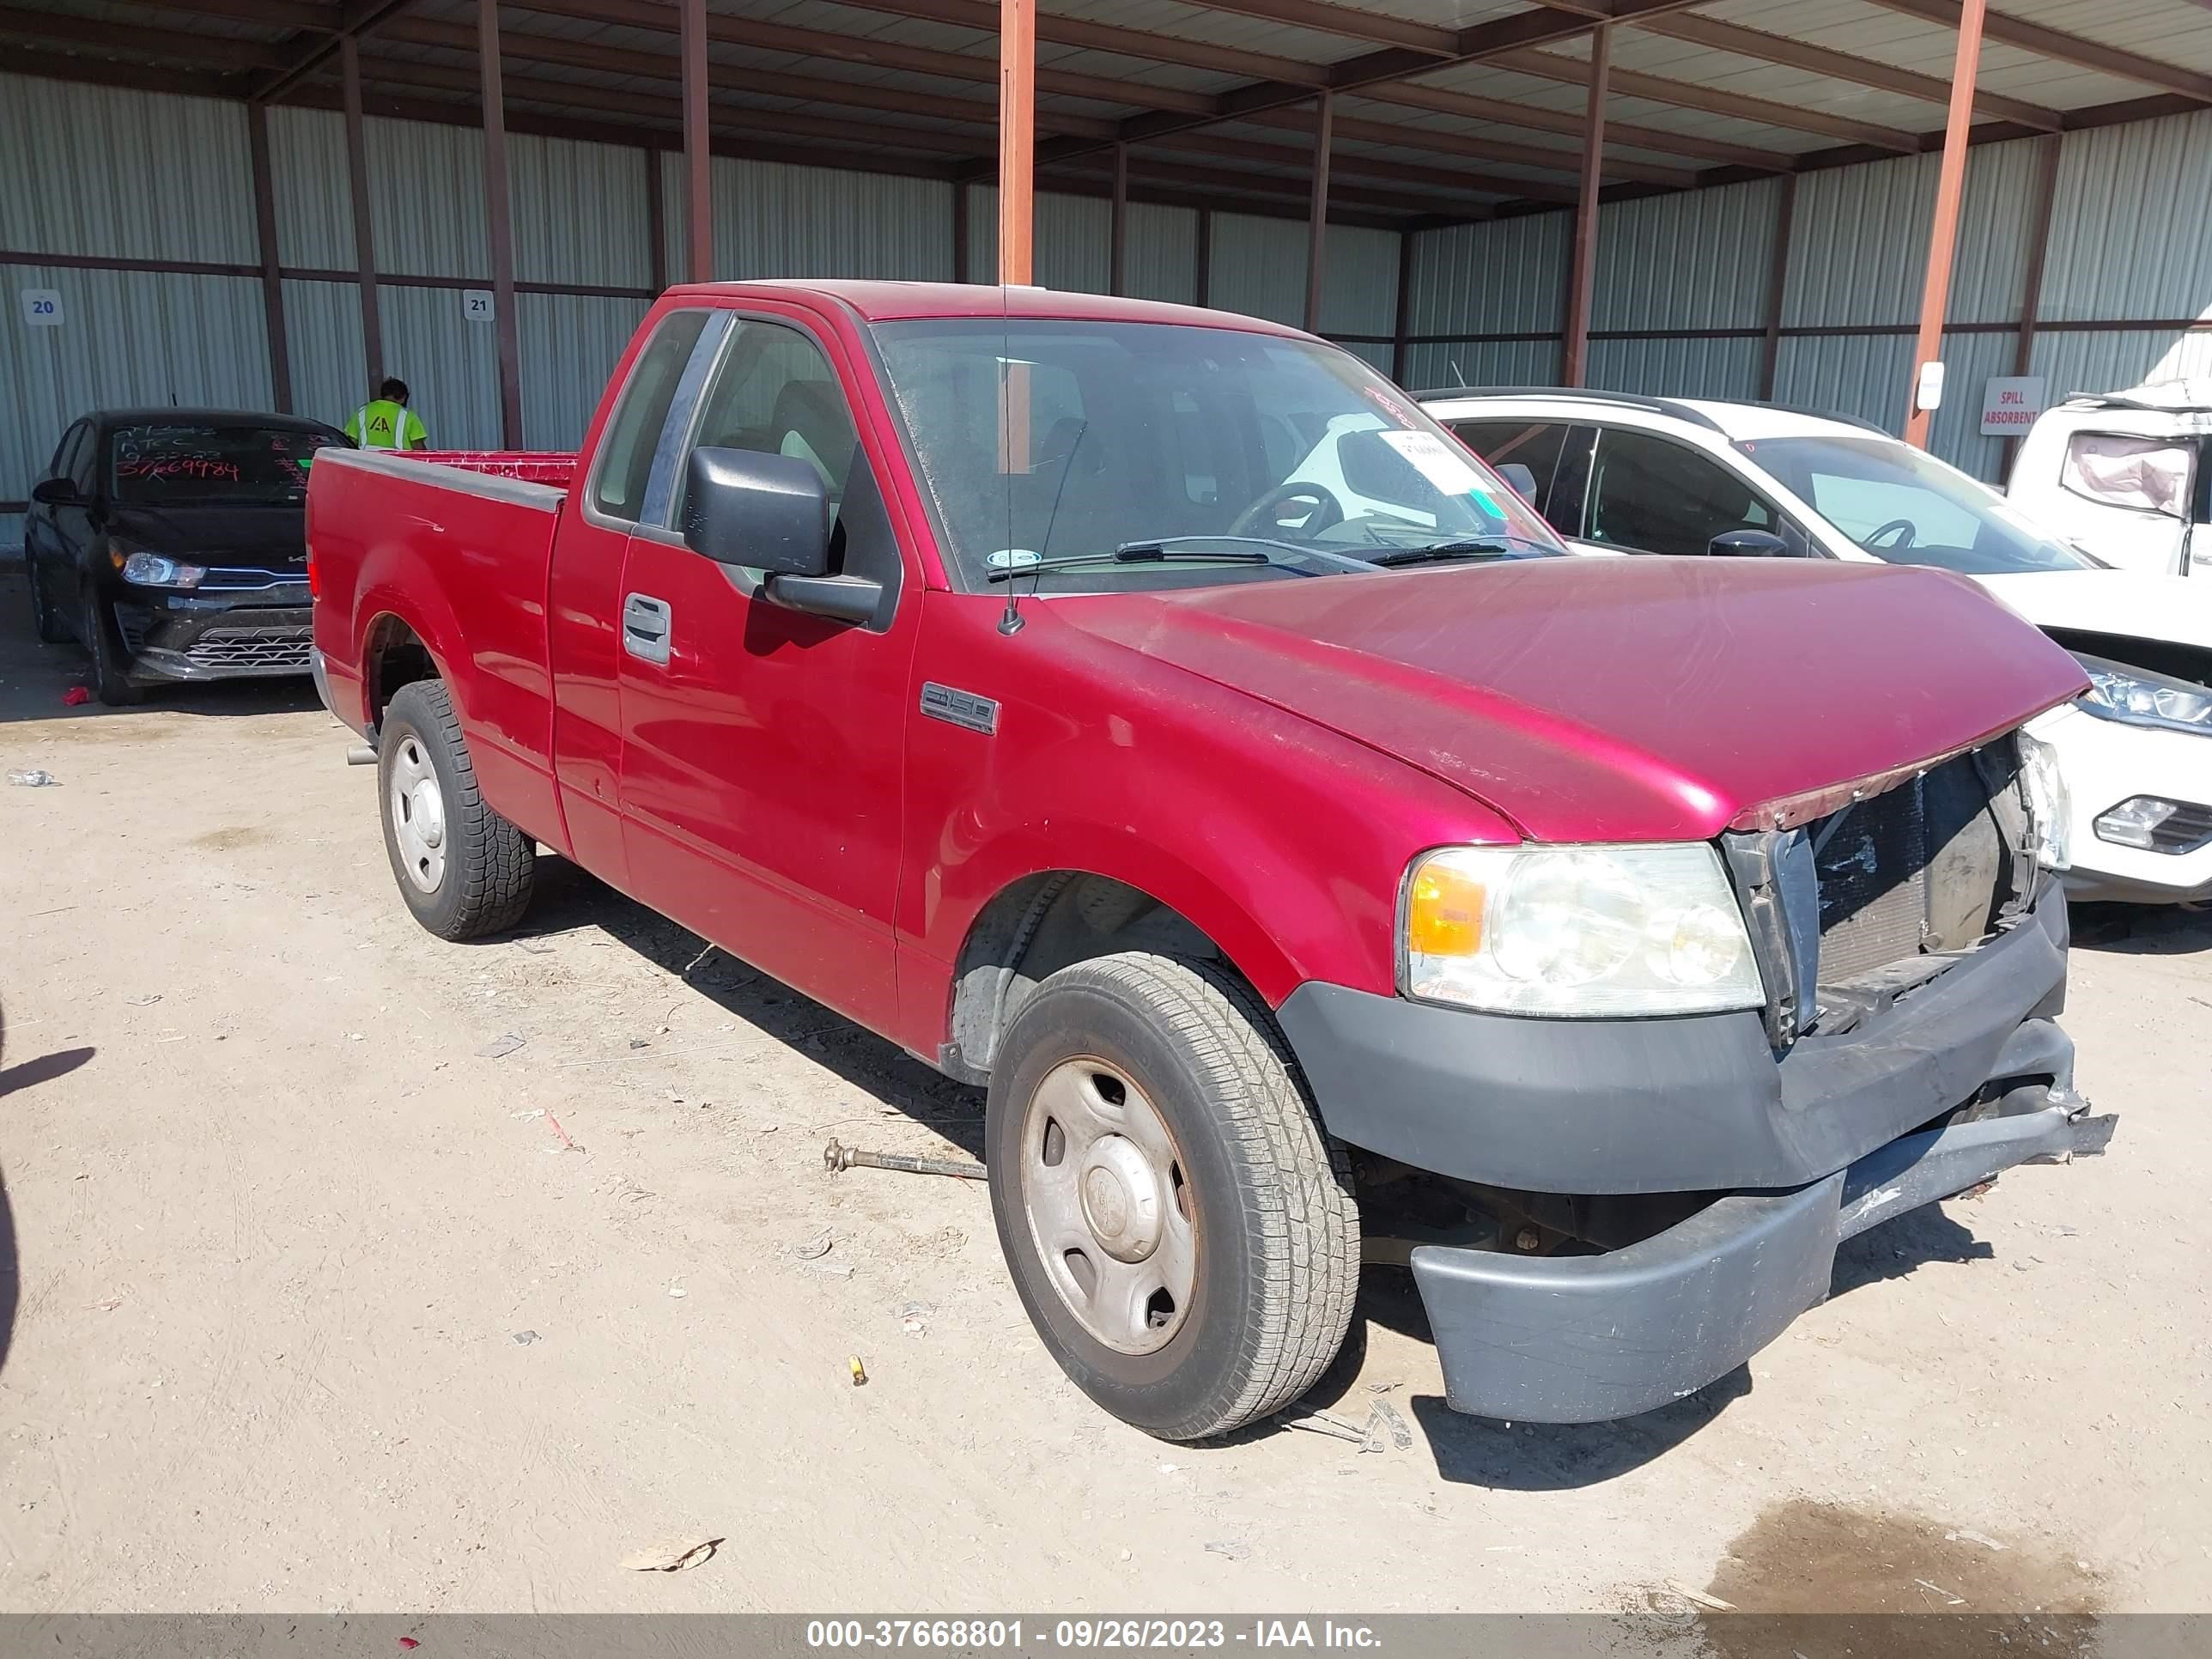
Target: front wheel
x=110 y=676
x=1179 y=1226
x=463 y=870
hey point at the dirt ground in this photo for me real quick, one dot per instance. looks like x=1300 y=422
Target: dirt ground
x=324 y=1304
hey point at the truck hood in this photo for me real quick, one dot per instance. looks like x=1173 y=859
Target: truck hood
x=1644 y=699
x=2125 y=604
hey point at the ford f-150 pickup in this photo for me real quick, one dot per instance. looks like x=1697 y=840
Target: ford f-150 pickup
x=1151 y=715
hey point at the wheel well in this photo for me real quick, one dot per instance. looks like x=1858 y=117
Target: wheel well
x=395 y=657
x=1035 y=928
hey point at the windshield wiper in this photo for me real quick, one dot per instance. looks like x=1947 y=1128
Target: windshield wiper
x=1472 y=547
x=1185 y=549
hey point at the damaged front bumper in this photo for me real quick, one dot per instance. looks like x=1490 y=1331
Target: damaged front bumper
x=1588 y=1339
x=1784 y=1155
x=173 y=637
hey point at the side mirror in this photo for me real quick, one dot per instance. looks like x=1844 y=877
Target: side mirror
x=1519 y=479
x=56 y=492
x=767 y=513
x=1748 y=545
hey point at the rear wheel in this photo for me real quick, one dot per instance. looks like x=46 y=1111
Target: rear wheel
x=463 y=870
x=1179 y=1227
x=110 y=682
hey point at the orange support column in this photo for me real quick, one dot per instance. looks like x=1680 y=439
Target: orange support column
x=1943 y=239
x=1017 y=136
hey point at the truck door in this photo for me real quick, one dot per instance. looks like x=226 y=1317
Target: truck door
x=761 y=748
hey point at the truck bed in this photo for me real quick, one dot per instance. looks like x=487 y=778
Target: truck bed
x=417 y=542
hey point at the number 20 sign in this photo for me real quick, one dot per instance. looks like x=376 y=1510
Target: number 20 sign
x=42 y=308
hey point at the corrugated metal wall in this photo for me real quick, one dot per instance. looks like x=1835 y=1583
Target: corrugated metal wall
x=774 y=220
x=1681 y=290
x=1683 y=281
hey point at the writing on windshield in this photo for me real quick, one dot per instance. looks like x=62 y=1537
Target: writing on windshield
x=185 y=462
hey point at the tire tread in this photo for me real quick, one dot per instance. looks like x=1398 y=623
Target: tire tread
x=497 y=862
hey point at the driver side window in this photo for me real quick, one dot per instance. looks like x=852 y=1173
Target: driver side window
x=775 y=393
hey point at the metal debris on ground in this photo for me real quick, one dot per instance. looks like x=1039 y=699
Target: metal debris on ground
x=835 y=1157
x=33 y=779
x=1964 y=1536
x=1322 y=1423
x=1713 y=1604
x=1383 y=1423
x=670 y=1558
x=500 y=1047
x=914 y=1317
x=1236 y=1549
x=524 y=1338
x=807 y=1250
x=144 y=1001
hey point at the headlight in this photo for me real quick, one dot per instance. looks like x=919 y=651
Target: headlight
x=2140 y=697
x=2049 y=800
x=152 y=570
x=1580 y=932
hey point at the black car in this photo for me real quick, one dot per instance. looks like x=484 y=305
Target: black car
x=172 y=544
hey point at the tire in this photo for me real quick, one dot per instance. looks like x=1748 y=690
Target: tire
x=43 y=621
x=463 y=870
x=110 y=682
x=1256 y=1193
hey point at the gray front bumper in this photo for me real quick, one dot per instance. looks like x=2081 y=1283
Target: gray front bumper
x=1589 y=1339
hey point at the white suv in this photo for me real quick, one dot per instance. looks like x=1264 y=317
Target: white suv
x=1615 y=473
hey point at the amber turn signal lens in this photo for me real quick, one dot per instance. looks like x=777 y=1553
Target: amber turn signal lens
x=1443 y=912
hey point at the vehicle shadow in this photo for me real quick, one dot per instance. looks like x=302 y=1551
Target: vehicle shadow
x=2141 y=930
x=567 y=898
x=1897 y=1246
x=11 y=1276
x=35 y=678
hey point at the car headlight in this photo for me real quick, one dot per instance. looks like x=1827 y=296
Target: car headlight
x=2141 y=697
x=2049 y=800
x=152 y=570
x=1576 y=931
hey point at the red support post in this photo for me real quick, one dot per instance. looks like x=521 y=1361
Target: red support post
x=1317 y=212
x=272 y=283
x=1943 y=237
x=1117 y=237
x=1574 y=353
x=498 y=225
x=698 y=148
x=364 y=239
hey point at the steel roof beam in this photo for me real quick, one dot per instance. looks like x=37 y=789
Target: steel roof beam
x=1477 y=147
x=2046 y=42
x=103 y=38
x=357 y=19
x=1759 y=45
x=1714 y=101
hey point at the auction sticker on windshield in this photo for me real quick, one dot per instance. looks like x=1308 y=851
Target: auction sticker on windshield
x=1432 y=457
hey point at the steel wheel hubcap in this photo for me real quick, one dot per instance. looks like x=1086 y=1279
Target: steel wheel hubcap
x=418 y=815
x=1108 y=1208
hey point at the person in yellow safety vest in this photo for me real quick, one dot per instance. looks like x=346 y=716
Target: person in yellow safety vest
x=387 y=423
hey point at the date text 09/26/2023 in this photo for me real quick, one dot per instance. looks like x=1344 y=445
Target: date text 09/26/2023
x=1073 y=1635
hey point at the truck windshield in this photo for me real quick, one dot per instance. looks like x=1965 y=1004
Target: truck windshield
x=1907 y=507
x=1045 y=439
x=192 y=463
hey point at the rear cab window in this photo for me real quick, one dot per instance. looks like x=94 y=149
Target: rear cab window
x=625 y=468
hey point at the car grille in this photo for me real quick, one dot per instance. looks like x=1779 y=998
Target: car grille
x=1930 y=866
x=244 y=647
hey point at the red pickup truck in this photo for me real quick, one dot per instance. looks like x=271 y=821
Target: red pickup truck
x=1151 y=715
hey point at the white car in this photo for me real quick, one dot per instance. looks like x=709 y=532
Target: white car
x=1620 y=474
x=2121 y=475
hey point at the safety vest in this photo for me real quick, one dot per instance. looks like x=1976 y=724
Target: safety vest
x=384 y=424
